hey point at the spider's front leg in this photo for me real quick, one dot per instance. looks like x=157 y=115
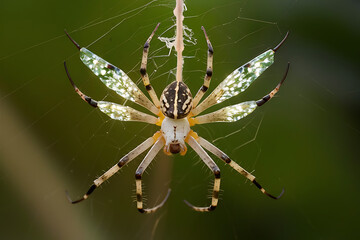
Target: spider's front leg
x=139 y=172
x=239 y=80
x=214 y=168
x=209 y=72
x=143 y=72
x=114 y=78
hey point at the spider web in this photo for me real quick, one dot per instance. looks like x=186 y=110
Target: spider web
x=91 y=147
x=77 y=143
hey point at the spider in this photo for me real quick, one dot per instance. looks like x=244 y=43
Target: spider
x=176 y=112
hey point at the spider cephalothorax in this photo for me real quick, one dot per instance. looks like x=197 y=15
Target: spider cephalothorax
x=175 y=113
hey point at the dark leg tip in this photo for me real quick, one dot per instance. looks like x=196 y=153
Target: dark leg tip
x=200 y=209
x=282 y=41
x=72 y=40
x=68 y=75
x=151 y=36
x=276 y=198
x=281 y=194
x=189 y=204
x=71 y=201
x=212 y=208
x=154 y=209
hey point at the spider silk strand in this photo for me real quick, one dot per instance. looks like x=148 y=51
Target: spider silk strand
x=179 y=41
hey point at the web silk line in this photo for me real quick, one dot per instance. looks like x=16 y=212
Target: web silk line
x=179 y=40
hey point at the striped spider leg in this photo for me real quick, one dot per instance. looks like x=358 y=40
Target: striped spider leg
x=208 y=73
x=176 y=112
x=125 y=113
x=239 y=80
x=214 y=168
x=115 y=79
x=139 y=172
x=143 y=72
x=227 y=114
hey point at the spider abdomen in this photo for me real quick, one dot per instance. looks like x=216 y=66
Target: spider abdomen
x=176 y=100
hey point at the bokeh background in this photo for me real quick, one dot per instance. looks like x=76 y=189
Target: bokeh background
x=306 y=139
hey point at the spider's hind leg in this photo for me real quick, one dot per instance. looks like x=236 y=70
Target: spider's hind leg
x=214 y=168
x=220 y=154
x=138 y=177
x=123 y=161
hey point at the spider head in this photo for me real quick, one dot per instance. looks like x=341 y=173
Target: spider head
x=176 y=100
x=175 y=131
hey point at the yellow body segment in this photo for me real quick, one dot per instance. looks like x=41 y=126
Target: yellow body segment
x=191 y=134
x=157 y=135
x=160 y=118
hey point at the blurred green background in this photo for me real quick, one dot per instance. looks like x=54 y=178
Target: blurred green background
x=306 y=139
